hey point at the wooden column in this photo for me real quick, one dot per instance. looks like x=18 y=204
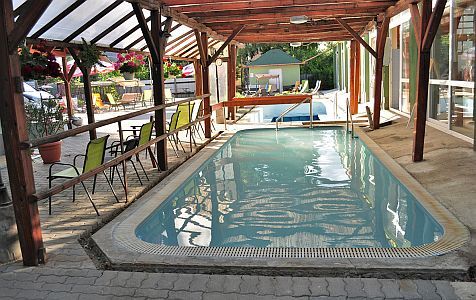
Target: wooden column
x=88 y=94
x=231 y=79
x=355 y=106
x=352 y=76
x=67 y=88
x=13 y=120
x=198 y=77
x=205 y=81
x=159 y=88
x=382 y=30
x=429 y=23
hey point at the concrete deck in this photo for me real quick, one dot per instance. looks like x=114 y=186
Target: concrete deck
x=70 y=273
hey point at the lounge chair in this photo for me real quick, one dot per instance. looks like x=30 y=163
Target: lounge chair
x=113 y=102
x=130 y=99
x=304 y=87
x=315 y=91
x=98 y=104
x=296 y=87
x=147 y=96
x=94 y=157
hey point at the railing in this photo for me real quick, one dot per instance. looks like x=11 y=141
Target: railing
x=349 y=118
x=311 y=115
x=120 y=159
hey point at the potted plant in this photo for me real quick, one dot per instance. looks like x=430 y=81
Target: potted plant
x=89 y=55
x=129 y=63
x=43 y=119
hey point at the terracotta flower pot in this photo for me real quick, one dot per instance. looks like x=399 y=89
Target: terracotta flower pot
x=128 y=76
x=51 y=152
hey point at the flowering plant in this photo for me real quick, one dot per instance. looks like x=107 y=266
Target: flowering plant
x=129 y=62
x=172 y=69
x=39 y=64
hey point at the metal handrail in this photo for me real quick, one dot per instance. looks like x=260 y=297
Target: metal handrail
x=349 y=117
x=289 y=109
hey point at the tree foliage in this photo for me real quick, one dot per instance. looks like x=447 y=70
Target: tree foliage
x=320 y=67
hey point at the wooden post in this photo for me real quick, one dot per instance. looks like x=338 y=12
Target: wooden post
x=423 y=79
x=13 y=119
x=205 y=82
x=159 y=88
x=352 y=76
x=88 y=97
x=67 y=91
x=354 y=106
x=198 y=77
x=231 y=79
x=382 y=30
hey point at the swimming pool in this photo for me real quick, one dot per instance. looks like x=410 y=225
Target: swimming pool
x=292 y=188
x=296 y=193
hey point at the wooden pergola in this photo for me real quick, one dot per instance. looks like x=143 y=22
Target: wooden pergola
x=181 y=29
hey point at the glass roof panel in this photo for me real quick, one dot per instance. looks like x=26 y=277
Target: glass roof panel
x=74 y=20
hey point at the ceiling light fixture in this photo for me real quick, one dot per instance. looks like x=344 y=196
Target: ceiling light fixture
x=295 y=44
x=299 y=19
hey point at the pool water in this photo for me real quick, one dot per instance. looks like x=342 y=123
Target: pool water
x=297 y=187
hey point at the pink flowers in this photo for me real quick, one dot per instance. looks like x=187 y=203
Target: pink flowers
x=129 y=62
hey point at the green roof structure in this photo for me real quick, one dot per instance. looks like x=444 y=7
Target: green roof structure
x=274 y=57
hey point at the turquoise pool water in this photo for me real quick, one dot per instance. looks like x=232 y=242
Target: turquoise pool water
x=297 y=187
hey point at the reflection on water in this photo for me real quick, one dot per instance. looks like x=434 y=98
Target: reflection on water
x=293 y=188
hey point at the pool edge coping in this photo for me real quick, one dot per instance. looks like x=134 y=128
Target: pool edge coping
x=118 y=242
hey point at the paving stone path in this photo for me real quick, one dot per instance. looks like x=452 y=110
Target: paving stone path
x=71 y=274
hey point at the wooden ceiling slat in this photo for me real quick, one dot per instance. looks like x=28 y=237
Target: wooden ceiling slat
x=92 y=21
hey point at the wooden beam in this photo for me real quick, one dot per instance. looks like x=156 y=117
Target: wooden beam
x=433 y=24
x=58 y=18
x=67 y=90
x=225 y=44
x=92 y=21
x=201 y=48
x=13 y=122
x=382 y=31
x=416 y=21
x=357 y=37
x=25 y=22
x=154 y=51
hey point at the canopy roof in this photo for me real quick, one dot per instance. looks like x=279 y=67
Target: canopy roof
x=112 y=24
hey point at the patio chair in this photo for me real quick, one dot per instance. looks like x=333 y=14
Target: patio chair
x=147 y=96
x=173 y=139
x=94 y=157
x=113 y=102
x=132 y=142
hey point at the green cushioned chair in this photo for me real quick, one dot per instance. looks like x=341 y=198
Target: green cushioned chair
x=94 y=157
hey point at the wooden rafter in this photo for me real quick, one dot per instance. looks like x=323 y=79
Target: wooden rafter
x=225 y=44
x=154 y=52
x=25 y=22
x=92 y=21
x=357 y=37
x=126 y=34
x=433 y=24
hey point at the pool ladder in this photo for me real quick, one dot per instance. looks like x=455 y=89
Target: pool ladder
x=349 y=118
x=281 y=116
